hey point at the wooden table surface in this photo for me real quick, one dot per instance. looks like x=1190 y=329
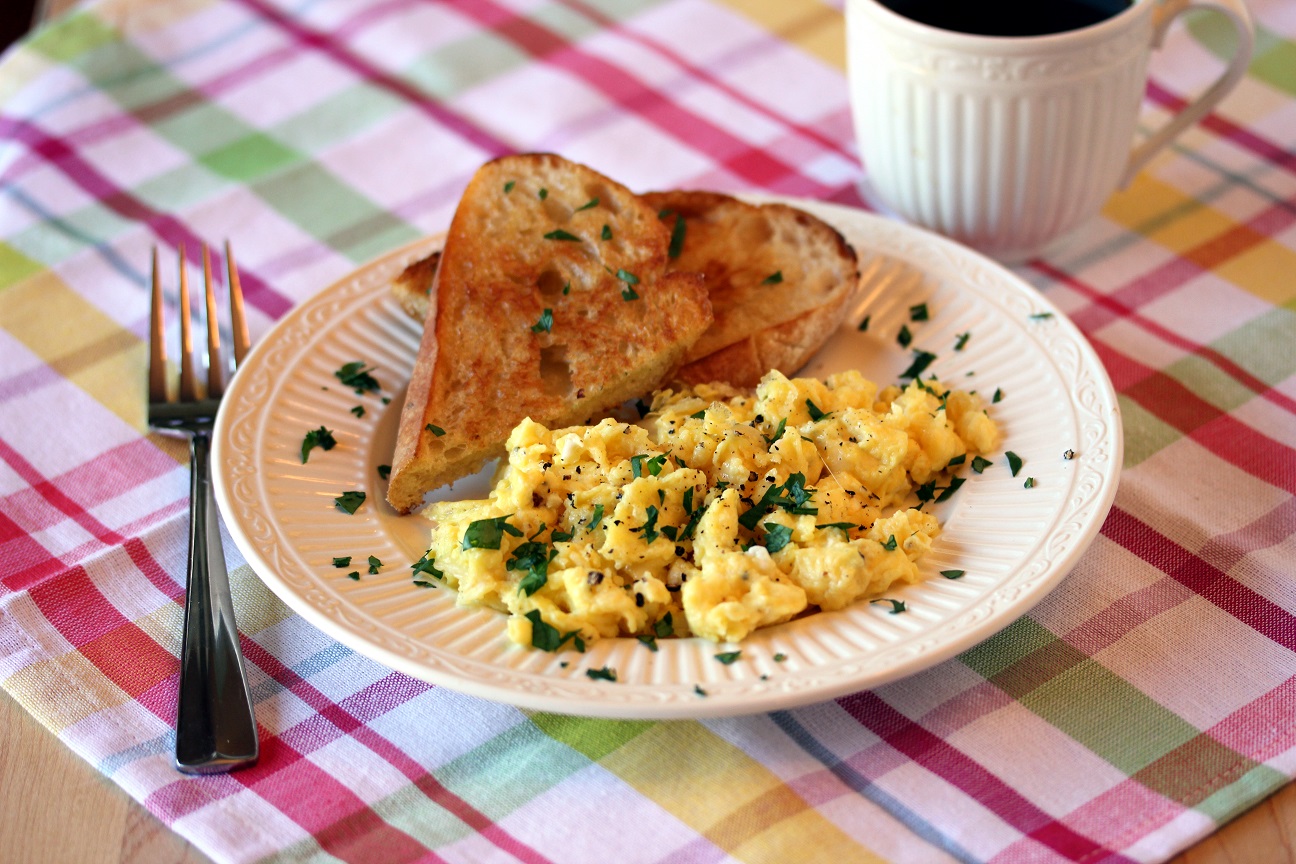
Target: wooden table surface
x=43 y=787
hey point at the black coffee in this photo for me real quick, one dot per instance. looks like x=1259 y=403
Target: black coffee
x=1008 y=17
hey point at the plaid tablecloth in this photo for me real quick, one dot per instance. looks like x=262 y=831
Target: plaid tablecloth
x=1145 y=702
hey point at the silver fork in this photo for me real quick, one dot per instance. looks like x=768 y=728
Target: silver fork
x=215 y=727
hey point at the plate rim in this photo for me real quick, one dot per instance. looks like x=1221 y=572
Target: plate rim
x=737 y=697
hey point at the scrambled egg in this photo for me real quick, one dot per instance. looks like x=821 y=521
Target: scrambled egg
x=720 y=513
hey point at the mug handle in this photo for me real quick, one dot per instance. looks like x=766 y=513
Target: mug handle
x=1165 y=13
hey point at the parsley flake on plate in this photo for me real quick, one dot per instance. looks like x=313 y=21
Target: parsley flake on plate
x=607 y=673
x=1014 y=462
x=904 y=337
x=979 y=464
x=773 y=279
x=357 y=377
x=321 y=437
x=922 y=359
x=349 y=502
x=559 y=234
x=340 y=562
x=953 y=574
x=918 y=312
x=897 y=606
x=728 y=657
x=435 y=429
x=864 y=325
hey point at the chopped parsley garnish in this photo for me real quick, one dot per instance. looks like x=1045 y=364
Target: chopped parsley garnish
x=547 y=638
x=374 y=564
x=559 y=234
x=998 y=395
x=648 y=640
x=953 y=574
x=962 y=340
x=532 y=559
x=357 y=377
x=698 y=690
x=606 y=233
x=1030 y=483
x=778 y=432
x=699 y=415
x=628 y=294
x=922 y=359
x=543 y=193
x=627 y=277
x=955 y=483
x=815 y=414
x=792 y=496
x=897 y=606
x=780 y=657
x=863 y=325
x=425 y=565
x=508 y=187
x=384 y=471
x=1041 y=316
x=593 y=202
x=344 y=561
x=320 y=437
x=349 y=502
x=664 y=628
x=435 y=429
x=595 y=518
x=773 y=279
x=776 y=536
x=677 y=238
x=545 y=324
x=845 y=526
x=607 y=673
x=694 y=517
x=728 y=657
x=904 y=337
x=653 y=465
x=918 y=312
x=650 y=527
x=890 y=545
x=354 y=575
x=358 y=410
x=1014 y=462
x=979 y=464
x=487 y=533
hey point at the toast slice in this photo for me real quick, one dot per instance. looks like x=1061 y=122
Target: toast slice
x=779 y=281
x=552 y=300
x=413 y=287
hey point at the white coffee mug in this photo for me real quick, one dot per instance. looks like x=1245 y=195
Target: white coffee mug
x=1008 y=143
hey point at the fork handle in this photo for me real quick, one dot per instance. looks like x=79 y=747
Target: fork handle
x=215 y=728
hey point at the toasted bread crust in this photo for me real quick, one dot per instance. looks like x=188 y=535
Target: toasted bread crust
x=779 y=279
x=486 y=360
x=413 y=287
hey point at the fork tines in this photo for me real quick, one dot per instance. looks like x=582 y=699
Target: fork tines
x=194 y=405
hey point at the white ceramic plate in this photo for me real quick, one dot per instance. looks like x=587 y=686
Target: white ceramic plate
x=1013 y=543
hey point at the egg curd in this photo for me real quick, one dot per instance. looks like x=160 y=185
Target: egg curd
x=719 y=513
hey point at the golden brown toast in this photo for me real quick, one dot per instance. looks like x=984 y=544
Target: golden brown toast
x=413 y=287
x=552 y=300
x=779 y=280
